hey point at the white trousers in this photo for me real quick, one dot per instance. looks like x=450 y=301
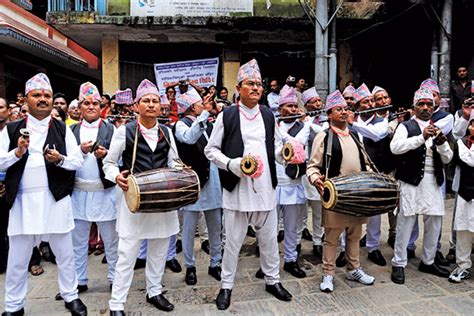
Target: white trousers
x=291 y=215
x=373 y=232
x=463 y=248
x=236 y=224
x=302 y=222
x=318 y=229
x=154 y=270
x=431 y=231
x=80 y=240
x=16 y=280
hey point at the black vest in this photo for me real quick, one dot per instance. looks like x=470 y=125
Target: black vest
x=104 y=137
x=60 y=181
x=410 y=166
x=291 y=170
x=193 y=155
x=466 y=181
x=145 y=158
x=379 y=152
x=233 y=145
x=336 y=154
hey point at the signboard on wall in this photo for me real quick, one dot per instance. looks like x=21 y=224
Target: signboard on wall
x=189 y=7
x=201 y=72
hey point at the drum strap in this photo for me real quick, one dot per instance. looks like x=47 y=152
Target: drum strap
x=134 y=154
x=178 y=160
x=329 y=151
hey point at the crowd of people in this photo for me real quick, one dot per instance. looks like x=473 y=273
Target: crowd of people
x=67 y=169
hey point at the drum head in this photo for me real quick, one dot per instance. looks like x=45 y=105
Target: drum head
x=329 y=198
x=132 y=196
x=287 y=152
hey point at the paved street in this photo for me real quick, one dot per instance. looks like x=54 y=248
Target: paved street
x=421 y=294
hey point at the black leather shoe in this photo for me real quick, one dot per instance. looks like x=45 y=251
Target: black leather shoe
x=377 y=258
x=259 y=274
x=341 y=260
x=410 y=254
x=179 y=246
x=306 y=235
x=398 y=275
x=281 y=235
x=318 y=251
x=205 y=246
x=391 y=241
x=76 y=307
x=451 y=256
x=223 y=299
x=160 y=302
x=117 y=313
x=80 y=289
x=298 y=248
x=174 y=265
x=251 y=232
x=279 y=292
x=190 y=278
x=363 y=241
x=294 y=269
x=104 y=260
x=215 y=272
x=139 y=264
x=21 y=312
x=440 y=260
x=433 y=269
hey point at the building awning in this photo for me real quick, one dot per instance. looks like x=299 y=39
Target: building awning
x=21 y=36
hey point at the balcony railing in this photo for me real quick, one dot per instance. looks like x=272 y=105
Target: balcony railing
x=97 y=6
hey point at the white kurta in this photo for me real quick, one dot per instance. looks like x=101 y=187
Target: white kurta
x=210 y=196
x=35 y=210
x=291 y=191
x=90 y=202
x=464 y=217
x=375 y=132
x=243 y=197
x=427 y=197
x=460 y=126
x=310 y=190
x=140 y=225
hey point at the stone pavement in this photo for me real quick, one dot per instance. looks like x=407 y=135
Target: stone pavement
x=421 y=294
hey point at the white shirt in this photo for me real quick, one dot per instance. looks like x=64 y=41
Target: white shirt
x=446 y=123
x=464 y=217
x=375 y=132
x=460 y=126
x=210 y=197
x=243 y=198
x=140 y=225
x=35 y=210
x=90 y=202
x=427 y=197
x=272 y=99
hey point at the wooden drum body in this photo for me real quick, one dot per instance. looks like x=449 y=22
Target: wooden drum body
x=162 y=190
x=364 y=194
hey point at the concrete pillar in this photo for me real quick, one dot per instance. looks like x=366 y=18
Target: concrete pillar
x=445 y=49
x=321 y=80
x=110 y=64
x=230 y=66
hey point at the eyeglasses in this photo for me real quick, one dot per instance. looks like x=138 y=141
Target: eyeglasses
x=252 y=84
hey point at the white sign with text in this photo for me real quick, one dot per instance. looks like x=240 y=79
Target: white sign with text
x=189 y=7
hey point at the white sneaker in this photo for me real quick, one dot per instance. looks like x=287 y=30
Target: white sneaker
x=360 y=276
x=458 y=275
x=327 y=284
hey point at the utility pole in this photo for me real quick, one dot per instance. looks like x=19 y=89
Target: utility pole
x=445 y=48
x=333 y=51
x=321 y=45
